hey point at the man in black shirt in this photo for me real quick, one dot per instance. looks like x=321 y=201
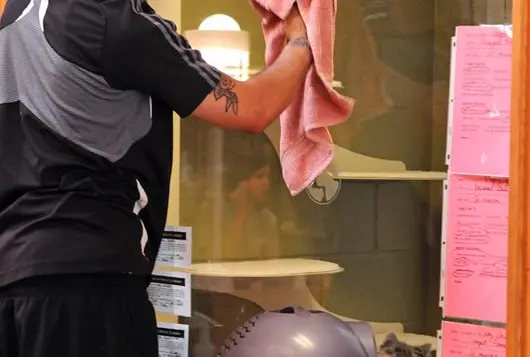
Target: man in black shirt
x=87 y=91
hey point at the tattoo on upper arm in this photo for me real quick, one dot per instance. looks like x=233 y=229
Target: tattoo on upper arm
x=225 y=89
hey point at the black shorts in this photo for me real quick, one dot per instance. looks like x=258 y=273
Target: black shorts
x=77 y=316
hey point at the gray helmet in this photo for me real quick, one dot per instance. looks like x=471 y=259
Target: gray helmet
x=296 y=332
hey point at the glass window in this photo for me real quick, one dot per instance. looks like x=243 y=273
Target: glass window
x=366 y=249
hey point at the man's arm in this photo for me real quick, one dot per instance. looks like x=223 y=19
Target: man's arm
x=142 y=51
x=253 y=105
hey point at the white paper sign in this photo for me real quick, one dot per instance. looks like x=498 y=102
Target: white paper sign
x=173 y=340
x=170 y=292
x=175 y=248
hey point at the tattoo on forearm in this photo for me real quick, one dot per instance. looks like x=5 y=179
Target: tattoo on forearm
x=225 y=89
x=301 y=42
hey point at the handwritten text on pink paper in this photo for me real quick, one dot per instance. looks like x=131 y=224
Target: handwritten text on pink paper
x=481 y=105
x=477 y=248
x=463 y=340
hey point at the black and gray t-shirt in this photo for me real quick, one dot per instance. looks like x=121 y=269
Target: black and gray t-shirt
x=87 y=90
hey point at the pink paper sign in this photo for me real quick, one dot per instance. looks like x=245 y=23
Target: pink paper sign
x=463 y=340
x=476 y=248
x=480 y=133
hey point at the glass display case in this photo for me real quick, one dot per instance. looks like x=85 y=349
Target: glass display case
x=362 y=243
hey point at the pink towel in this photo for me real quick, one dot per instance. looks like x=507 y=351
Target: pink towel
x=306 y=147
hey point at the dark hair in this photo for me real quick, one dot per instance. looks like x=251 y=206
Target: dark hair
x=244 y=154
x=242 y=166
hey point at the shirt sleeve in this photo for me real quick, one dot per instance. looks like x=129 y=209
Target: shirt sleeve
x=142 y=51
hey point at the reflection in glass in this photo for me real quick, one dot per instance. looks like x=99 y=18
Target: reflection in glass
x=393 y=57
x=249 y=228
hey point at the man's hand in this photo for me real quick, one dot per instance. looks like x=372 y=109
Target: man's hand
x=294 y=26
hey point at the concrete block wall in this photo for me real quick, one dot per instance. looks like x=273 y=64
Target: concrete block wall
x=377 y=231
